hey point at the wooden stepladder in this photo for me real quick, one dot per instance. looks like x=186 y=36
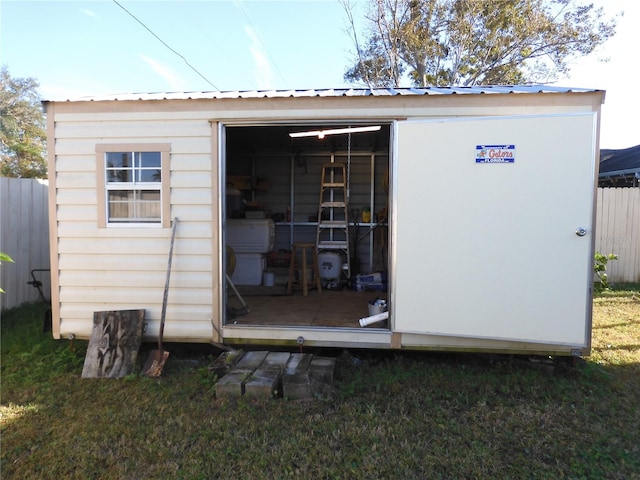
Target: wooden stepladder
x=333 y=219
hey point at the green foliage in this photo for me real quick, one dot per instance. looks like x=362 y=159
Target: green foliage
x=599 y=268
x=22 y=128
x=474 y=42
x=4 y=258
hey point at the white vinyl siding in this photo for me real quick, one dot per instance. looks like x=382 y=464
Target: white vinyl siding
x=125 y=267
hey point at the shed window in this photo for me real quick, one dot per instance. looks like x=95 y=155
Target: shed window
x=135 y=183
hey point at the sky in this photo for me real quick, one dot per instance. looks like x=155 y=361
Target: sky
x=86 y=48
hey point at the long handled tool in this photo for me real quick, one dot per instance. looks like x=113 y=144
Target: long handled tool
x=157 y=358
x=231 y=266
x=234 y=312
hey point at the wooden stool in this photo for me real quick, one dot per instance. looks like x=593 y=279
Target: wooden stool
x=292 y=267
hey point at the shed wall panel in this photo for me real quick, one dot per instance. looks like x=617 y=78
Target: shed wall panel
x=133 y=129
x=78 y=162
x=178 y=330
x=79 y=196
x=131 y=246
x=191 y=196
x=185 y=263
x=85 y=310
x=77 y=212
x=188 y=163
x=150 y=298
x=134 y=278
x=188 y=145
x=89 y=229
x=74 y=180
x=189 y=179
x=193 y=213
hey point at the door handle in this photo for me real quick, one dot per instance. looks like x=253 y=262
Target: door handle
x=581 y=231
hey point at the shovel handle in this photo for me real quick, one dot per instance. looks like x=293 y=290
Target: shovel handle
x=166 y=284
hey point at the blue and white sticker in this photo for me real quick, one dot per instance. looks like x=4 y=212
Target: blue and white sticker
x=495 y=153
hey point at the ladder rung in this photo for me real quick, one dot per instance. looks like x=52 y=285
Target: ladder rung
x=333 y=244
x=334 y=165
x=334 y=185
x=333 y=224
x=333 y=204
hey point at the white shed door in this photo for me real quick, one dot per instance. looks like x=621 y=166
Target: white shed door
x=489 y=248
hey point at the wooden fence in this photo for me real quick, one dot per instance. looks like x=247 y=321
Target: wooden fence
x=618 y=231
x=24 y=236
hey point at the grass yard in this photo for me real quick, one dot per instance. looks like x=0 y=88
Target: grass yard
x=393 y=415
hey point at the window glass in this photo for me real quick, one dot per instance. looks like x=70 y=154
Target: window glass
x=119 y=167
x=148 y=167
x=134 y=187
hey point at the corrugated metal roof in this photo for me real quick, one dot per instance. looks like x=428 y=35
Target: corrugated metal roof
x=335 y=92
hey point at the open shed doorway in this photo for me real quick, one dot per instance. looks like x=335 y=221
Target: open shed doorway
x=273 y=183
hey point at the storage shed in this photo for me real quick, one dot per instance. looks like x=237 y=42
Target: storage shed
x=466 y=212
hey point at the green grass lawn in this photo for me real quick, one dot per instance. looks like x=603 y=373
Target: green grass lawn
x=393 y=415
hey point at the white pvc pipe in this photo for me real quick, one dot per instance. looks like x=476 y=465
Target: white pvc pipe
x=373 y=319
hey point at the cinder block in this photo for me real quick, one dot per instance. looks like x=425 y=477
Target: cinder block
x=262 y=384
x=266 y=379
x=295 y=379
x=275 y=361
x=251 y=360
x=321 y=369
x=232 y=384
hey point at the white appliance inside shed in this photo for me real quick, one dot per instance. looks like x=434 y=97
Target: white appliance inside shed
x=249 y=240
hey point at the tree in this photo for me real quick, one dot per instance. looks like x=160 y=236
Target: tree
x=473 y=42
x=22 y=128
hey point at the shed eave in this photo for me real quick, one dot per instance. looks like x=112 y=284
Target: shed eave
x=333 y=92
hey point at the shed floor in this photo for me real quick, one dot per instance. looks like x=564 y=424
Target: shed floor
x=273 y=306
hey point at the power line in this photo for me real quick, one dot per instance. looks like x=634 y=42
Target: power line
x=166 y=45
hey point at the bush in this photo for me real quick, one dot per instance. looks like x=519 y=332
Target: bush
x=599 y=268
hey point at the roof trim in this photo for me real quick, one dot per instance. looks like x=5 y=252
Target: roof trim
x=332 y=92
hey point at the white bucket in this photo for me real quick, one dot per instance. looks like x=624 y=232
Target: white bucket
x=377 y=307
x=329 y=264
x=268 y=279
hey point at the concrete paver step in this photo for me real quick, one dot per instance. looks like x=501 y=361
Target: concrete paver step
x=263 y=374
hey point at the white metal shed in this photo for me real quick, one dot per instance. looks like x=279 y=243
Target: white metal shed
x=480 y=238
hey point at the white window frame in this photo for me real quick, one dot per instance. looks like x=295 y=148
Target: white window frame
x=105 y=186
